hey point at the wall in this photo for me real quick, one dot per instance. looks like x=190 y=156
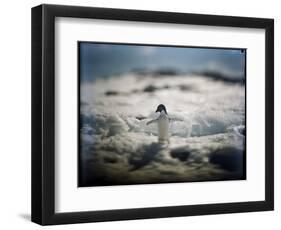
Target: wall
x=15 y=114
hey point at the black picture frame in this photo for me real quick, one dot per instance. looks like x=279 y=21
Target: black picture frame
x=43 y=114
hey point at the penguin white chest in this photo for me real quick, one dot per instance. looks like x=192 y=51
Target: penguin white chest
x=163 y=127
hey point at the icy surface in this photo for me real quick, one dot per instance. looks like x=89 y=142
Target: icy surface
x=207 y=131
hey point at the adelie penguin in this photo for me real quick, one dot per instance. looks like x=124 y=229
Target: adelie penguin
x=163 y=121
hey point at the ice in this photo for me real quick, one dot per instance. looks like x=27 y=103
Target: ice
x=207 y=117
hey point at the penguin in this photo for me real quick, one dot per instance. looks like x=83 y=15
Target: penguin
x=163 y=121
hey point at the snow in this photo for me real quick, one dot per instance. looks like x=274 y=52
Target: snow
x=207 y=131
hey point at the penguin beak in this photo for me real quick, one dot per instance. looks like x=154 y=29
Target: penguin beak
x=157 y=110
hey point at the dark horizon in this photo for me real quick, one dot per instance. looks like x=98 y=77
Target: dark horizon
x=103 y=60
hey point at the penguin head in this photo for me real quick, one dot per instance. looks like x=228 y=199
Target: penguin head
x=161 y=108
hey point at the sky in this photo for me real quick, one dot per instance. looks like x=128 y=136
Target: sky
x=99 y=60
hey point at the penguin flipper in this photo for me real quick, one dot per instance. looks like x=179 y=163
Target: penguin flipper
x=175 y=119
x=151 y=121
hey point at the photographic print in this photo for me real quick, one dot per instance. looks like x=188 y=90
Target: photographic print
x=160 y=114
x=126 y=103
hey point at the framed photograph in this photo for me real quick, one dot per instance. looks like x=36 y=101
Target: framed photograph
x=142 y=114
